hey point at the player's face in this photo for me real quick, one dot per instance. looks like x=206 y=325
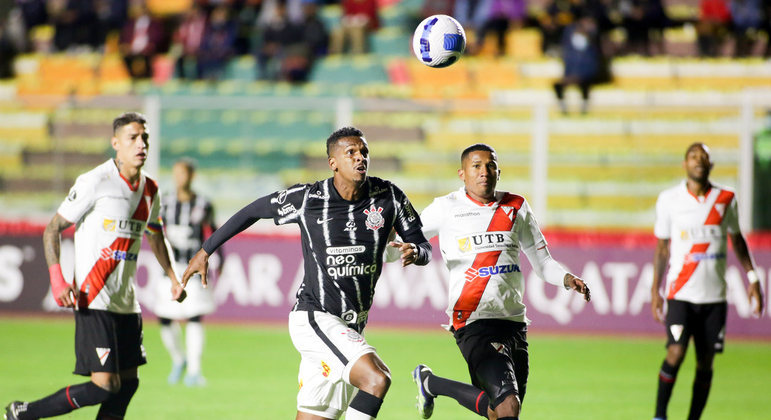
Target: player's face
x=480 y=174
x=350 y=159
x=131 y=143
x=698 y=163
x=182 y=176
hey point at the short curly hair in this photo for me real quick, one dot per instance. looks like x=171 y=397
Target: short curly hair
x=342 y=133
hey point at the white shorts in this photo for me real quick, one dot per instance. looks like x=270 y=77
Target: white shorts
x=199 y=301
x=329 y=349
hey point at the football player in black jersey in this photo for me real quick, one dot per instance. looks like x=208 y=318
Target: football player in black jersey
x=344 y=223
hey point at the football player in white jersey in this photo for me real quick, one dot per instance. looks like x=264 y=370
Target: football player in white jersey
x=481 y=233
x=112 y=206
x=693 y=221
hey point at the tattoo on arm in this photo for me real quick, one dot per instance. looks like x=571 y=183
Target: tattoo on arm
x=52 y=238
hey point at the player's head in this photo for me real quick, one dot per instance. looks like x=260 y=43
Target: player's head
x=183 y=172
x=130 y=138
x=698 y=162
x=348 y=154
x=479 y=171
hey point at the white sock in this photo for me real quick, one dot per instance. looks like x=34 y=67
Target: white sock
x=194 y=336
x=354 y=414
x=171 y=335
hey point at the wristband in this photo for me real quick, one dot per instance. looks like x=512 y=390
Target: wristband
x=58 y=284
x=752 y=277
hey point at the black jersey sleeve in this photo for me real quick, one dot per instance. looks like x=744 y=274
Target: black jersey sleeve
x=408 y=226
x=258 y=209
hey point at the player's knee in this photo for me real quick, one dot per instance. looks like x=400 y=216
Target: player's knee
x=507 y=405
x=108 y=382
x=377 y=383
x=675 y=354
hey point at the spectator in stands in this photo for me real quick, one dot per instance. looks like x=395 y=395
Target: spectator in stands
x=246 y=13
x=187 y=42
x=139 y=40
x=748 y=17
x=767 y=27
x=33 y=13
x=581 y=57
x=359 y=19
x=112 y=15
x=501 y=15
x=316 y=34
x=641 y=19
x=75 y=24
x=282 y=54
x=7 y=51
x=557 y=16
x=217 y=46
x=714 y=18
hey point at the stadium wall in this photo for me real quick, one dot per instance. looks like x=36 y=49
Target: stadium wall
x=260 y=274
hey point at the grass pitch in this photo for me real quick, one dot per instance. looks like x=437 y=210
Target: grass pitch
x=251 y=372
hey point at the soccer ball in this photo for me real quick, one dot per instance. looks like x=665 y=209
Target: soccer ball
x=439 y=41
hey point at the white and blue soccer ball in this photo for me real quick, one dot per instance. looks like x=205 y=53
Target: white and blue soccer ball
x=439 y=41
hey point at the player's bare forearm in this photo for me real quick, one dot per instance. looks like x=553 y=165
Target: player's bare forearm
x=742 y=251
x=52 y=238
x=161 y=250
x=660 y=260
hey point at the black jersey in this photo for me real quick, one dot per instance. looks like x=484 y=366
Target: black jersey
x=186 y=224
x=342 y=241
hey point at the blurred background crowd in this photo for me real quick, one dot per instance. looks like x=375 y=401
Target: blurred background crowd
x=195 y=39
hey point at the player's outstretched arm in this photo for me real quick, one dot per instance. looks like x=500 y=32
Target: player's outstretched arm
x=162 y=251
x=754 y=292
x=574 y=283
x=198 y=264
x=660 y=260
x=65 y=294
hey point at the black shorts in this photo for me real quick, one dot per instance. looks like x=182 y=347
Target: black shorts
x=496 y=353
x=107 y=341
x=705 y=322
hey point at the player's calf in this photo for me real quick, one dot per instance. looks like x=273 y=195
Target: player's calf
x=114 y=408
x=60 y=402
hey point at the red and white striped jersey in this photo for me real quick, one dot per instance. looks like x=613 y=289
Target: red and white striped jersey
x=110 y=216
x=697 y=228
x=480 y=245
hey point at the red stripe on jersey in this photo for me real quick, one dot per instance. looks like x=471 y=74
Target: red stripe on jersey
x=688 y=268
x=102 y=269
x=715 y=217
x=143 y=208
x=471 y=294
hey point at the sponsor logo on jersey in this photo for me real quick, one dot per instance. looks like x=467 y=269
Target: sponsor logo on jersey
x=486 y=241
x=699 y=233
x=320 y=221
x=467 y=214
x=343 y=250
x=287 y=209
x=377 y=191
x=72 y=195
x=695 y=257
x=319 y=194
x=353 y=336
x=103 y=353
x=117 y=255
x=350 y=226
x=490 y=270
x=281 y=197
x=410 y=211
x=324 y=370
x=375 y=219
x=346 y=266
x=351 y=317
x=124 y=226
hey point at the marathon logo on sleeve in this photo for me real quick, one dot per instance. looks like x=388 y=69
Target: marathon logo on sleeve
x=487 y=241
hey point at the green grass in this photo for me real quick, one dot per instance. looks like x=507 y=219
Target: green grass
x=252 y=371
